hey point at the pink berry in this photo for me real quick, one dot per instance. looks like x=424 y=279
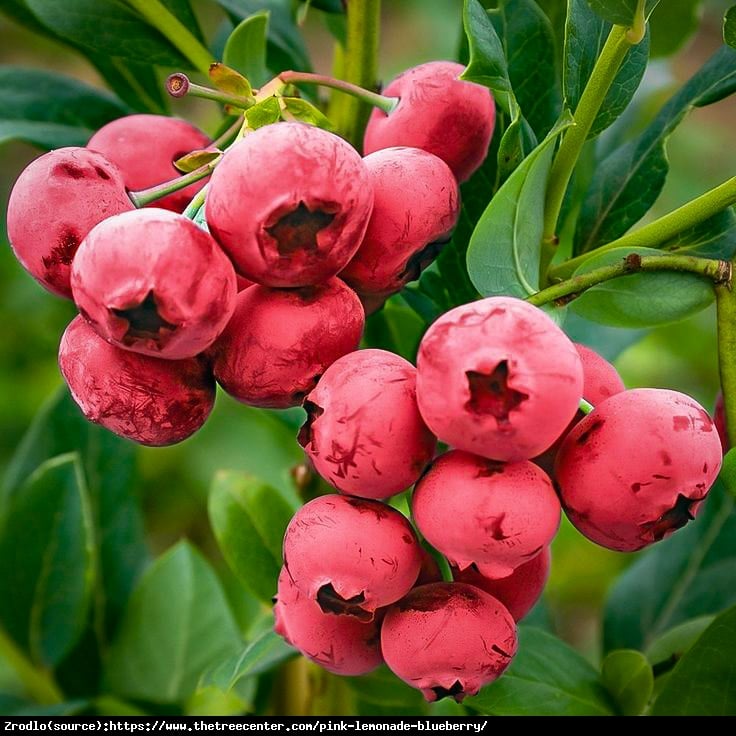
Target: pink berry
x=341 y=644
x=280 y=341
x=290 y=204
x=351 y=555
x=56 y=201
x=243 y=283
x=151 y=281
x=439 y=113
x=416 y=207
x=145 y=148
x=364 y=433
x=497 y=377
x=638 y=467
x=448 y=640
x=152 y=401
x=719 y=419
x=520 y=590
x=481 y=511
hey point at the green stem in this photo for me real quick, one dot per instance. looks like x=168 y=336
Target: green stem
x=604 y=72
x=38 y=684
x=196 y=204
x=564 y=292
x=656 y=233
x=166 y=23
x=387 y=104
x=361 y=64
x=179 y=85
x=585 y=407
x=146 y=196
x=726 y=303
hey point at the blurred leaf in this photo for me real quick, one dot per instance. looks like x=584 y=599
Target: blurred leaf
x=230 y=81
x=68 y=708
x=669 y=648
x=51 y=110
x=673 y=26
x=503 y=255
x=249 y=519
x=109 y=469
x=729 y=27
x=177 y=624
x=703 y=682
x=182 y=9
x=137 y=84
x=629 y=180
x=693 y=573
x=285 y=47
x=641 y=299
x=714 y=238
x=245 y=49
x=628 y=677
x=260 y=655
x=47 y=560
x=609 y=342
x=328 y=6
x=621 y=12
x=383 y=690
x=547 y=677
x=263 y=113
x=585 y=35
x=107 y=27
x=396 y=328
x=305 y=112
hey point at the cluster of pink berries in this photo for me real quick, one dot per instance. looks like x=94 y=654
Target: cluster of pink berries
x=501 y=384
x=251 y=298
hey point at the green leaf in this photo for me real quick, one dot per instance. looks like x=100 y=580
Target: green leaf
x=285 y=47
x=670 y=30
x=608 y=342
x=396 y=328
x=547 y=677
x=304 y=111
x=629 y=679
x=585 y=35
x=176 y=625
x=263 y=113
x=47 y=561
x=641 y=299
x=729 y=27
x=668 y=649
x=620 y=12
x=262 y=654
x=382 y=689
x=249 y=519
x=714 y=238
x=108 y=464
x=230 y=81
x=629 y=179
x=245 y=49
x=487 y=64
x=503 y=255
x=107 y=27
x=51 y=110
x=703 y=682
x=691 y=574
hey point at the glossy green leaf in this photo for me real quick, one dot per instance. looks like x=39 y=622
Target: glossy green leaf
x=263 y=113
x=641 y=299
x=621 y=12
x=665 y=651
x=47 y=560
x=262 y=654
x=107 y=27
x=703 y=682
x=673 y=25
x=630 y=178
x=50 y=110
x=487 y=63
x=585 y=35
x=714 y=238
x=628 y=677
x=395 y=327
x=547 y=677
x=245 y=49
x=296 y=108
x=176 y=625
x=503 y=255
x=691 y=574
x=729 y=27
x=108 y=463
x=249 y=519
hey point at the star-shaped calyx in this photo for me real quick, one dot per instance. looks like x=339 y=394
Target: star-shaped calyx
x=491 y=394
x=298 y=229
x=144 y=321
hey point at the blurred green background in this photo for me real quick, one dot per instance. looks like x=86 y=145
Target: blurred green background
x=174 y=481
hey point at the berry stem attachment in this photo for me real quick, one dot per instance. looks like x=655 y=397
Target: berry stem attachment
x=726 y=306
x=601 y=79
x=656 y=233
x=178 y=35
x=387 y=104
x=585 y=407
x=38 y=684
x=441 y=560
x=147 y=196
x=179 y=85
x=563 y=293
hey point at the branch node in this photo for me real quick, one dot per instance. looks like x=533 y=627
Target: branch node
x=632 y=263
